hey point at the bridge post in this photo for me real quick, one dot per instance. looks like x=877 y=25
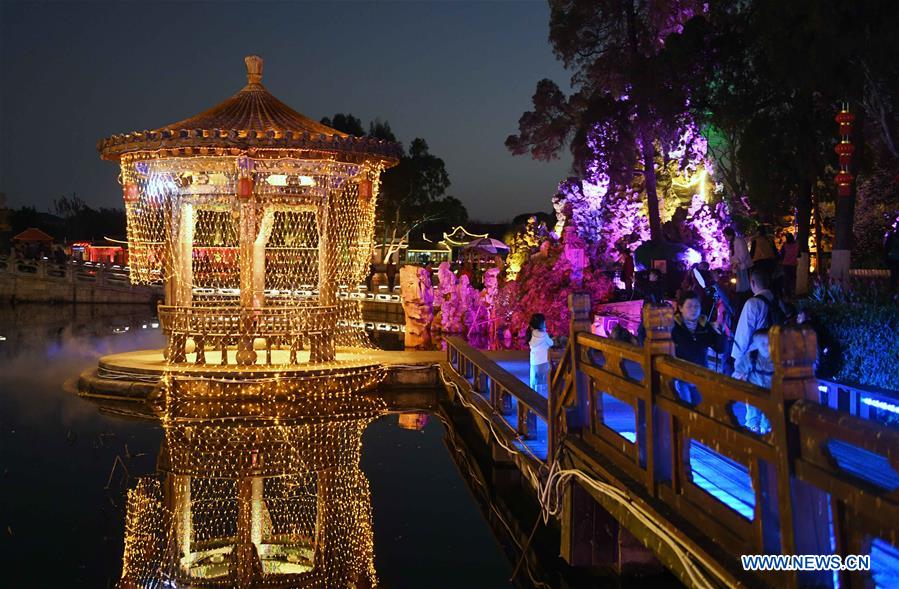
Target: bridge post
x=802 y=510
x=579 y=305
x=658 y=320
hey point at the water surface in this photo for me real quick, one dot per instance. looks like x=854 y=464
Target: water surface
x=65 y=467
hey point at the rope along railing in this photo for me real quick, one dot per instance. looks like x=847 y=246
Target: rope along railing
x=674 y=437
x=810 y=480
x=499 y=388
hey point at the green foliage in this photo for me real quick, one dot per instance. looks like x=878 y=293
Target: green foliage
x=412 y=192
x=630 y=91
x=415 y=189
x=346 y=123
x=876 y=207
x=861 y=325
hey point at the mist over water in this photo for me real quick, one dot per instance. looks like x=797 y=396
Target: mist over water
x=65 y=467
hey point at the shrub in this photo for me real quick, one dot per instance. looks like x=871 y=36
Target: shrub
x=861 y=326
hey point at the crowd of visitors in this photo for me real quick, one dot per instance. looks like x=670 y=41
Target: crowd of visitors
x=733 y=323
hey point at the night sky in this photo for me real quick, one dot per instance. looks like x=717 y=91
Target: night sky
x=458 y=74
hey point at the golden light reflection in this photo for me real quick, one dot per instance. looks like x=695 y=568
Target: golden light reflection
x=249 y=495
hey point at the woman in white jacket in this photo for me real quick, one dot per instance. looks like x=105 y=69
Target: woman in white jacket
x=540 y=343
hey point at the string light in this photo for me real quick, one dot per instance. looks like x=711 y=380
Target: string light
x=255 y=487
x=258 y=234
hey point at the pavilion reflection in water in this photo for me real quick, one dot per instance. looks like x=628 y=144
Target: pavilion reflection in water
x=254 y=498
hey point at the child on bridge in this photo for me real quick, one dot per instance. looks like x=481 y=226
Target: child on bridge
x=540 y=343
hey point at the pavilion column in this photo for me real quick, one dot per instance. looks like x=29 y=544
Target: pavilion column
x=258 y=275
x=184 y=267
x=322 y=345
x=183 y=520
x=256 y=510
x=181 y=280
x=246 y=355
x=247 y=565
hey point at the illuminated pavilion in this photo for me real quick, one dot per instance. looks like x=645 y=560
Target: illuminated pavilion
x=266 y=501
x=258 y=221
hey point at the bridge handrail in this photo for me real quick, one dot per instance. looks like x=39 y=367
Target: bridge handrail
x=792 y=466
x=487 y=377
x=508 y=381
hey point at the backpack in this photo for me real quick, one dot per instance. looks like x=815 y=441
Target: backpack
x=775 y=314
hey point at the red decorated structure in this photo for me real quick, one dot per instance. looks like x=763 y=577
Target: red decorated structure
x=844 y=150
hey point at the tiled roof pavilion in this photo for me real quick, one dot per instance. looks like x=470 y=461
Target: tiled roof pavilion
x=252 y=121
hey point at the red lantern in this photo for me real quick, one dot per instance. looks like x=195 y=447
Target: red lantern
x=365 y=190
x=845 y=151
x=844 y=116
x=845 y=119
x=844 y=183
x=130 y=192
x=245 y=187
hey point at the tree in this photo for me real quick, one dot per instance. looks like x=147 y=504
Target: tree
x=346 y=123
x=414 y=192
x=381 y=130
x=778 y=73
x=629 y=101
x=83 y=223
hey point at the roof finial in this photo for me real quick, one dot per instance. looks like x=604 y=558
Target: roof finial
x=254 y=69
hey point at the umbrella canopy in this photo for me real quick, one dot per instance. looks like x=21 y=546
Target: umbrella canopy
x=663 y=250
x=488 y=245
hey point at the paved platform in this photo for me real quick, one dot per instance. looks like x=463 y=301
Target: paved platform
x=152 y=362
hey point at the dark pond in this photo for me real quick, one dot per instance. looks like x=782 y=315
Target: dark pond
x=65 y=468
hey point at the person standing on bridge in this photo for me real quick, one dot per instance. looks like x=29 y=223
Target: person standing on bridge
x=760 y=312
x=758 y=369
x=693 y=335
x=540 y=343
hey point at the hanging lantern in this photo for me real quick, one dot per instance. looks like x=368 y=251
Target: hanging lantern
x=244 y=177
x=245 y=187
x=845 y=119
x=130 y=192
x=844 y=149
x=365 y=190
x=844 y=183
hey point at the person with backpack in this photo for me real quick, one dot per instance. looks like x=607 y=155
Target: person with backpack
x=762 y=311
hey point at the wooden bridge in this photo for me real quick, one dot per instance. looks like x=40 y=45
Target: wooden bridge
x=642 y=458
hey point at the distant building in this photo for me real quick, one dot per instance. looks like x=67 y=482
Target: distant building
x=33 y=243
x=106 y=252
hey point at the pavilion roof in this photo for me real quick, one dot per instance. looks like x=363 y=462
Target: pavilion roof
x=251 y=120
x=33 y=234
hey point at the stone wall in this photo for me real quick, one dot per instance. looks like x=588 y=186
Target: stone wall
x=46 y=282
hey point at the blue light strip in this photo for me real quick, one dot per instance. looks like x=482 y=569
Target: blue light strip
x=872 y=402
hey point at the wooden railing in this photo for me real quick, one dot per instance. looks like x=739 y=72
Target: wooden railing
x=498 y=387
x=217 y=328
x=673 y=436
x=804 y=474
